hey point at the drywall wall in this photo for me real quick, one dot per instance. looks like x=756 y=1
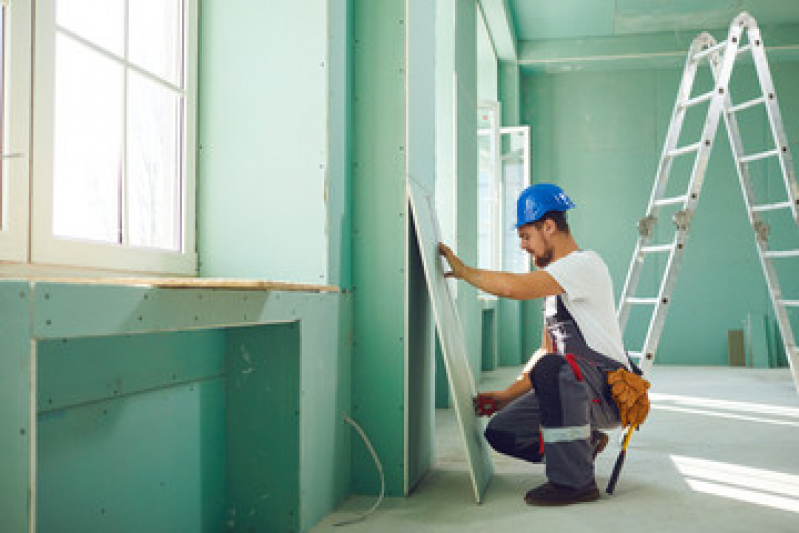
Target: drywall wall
x=263 y=154
x=153 y=375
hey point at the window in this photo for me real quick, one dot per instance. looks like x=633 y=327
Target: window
x=504 y=173
x=515 y=178
x=15 y=64
x=114 y=94
x=489 y=183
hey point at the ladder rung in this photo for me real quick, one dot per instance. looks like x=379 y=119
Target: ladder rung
x=699 y=99
x=761 y=155
x=772 y=207
x=789 y=303
x=746 y=105
x=657 y=248
x=634 y=300
x=634 y=354
x=745 y=48
x=781 y=254
x=671 y=201
x=685 y=149
x=704 y=53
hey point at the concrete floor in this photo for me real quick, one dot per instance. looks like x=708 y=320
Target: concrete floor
x=719 y=452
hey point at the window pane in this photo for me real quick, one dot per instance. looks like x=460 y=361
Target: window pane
x=100 y=21
x=154 y=169
x=2 y=116
x=156 y=37
x=486 y=229
x=516 y=181
x=87 y=154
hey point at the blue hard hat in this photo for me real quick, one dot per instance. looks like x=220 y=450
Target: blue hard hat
x=535 y=201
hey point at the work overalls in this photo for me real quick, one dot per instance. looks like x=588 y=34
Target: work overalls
x=570 y=397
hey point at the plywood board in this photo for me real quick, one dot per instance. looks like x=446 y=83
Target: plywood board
x=450 y=332
x=193 y=283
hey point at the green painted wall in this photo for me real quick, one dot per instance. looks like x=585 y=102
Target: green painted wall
x=128 y=423
x=273 y=144
x=393 y=138
x=599 y=134
x=379 y=240
x=159 y=411
x=15 y=400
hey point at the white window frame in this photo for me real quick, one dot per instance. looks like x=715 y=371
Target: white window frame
x=15 y=149
x=505 y=223
x=494 y=134
x=47 y=249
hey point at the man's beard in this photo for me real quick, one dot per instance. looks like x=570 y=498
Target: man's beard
x=542 y=261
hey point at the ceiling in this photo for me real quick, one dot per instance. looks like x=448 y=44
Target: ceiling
x=576 y=19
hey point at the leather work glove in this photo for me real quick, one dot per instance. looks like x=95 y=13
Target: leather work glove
x=630 y=394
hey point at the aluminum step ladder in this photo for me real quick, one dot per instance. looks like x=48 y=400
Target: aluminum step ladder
x=721 y=57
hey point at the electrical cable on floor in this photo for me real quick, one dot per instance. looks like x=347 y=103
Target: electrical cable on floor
x=379 y=466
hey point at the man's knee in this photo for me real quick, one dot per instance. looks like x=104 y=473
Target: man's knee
x=501 y=441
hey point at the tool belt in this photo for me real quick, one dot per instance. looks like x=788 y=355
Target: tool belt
x=629 y=392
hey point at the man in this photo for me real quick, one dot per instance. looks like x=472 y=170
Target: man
x=556 y=407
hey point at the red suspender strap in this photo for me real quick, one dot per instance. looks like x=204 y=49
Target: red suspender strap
x=575 y=368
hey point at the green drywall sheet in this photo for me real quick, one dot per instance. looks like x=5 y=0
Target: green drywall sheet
x=487 y=65
x=263 y=402
x=544 y=19
x=146 y=462
x=84 y=370
x=15 y=403
x=326 y=440
x=599 y=135
x=489 y=351
x=263 y=140
x=165 y=375
x=379 y=240
x=156 y=400
x=338 y=186
x=451 y=334
x=420 y=387
x=509 y=92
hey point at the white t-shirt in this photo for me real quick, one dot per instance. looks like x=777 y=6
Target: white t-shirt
x=588 y=295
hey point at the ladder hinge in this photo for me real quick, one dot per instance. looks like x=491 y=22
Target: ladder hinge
x=645 y=226
x=762 y=229
x=682 y=220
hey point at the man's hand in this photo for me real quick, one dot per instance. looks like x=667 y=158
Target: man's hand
x=488 y=403
x=457 y=267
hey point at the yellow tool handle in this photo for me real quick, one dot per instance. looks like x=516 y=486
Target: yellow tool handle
x=614 y=477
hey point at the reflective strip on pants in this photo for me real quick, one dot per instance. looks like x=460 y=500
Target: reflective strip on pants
x=566 y=434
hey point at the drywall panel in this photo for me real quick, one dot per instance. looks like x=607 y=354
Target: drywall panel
x=263 y=377
x=544 y=19
x=379 y=207
x=90 y=369
x=16 y=398
x=146 y=462
x=450 y=333
x=325 y=439
x=420 y=374
x=263 y=140
x=338 y=185
x=124 y=309
x=487 y=76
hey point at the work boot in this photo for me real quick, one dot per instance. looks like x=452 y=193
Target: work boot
x=598 y=441
x=551 y=494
